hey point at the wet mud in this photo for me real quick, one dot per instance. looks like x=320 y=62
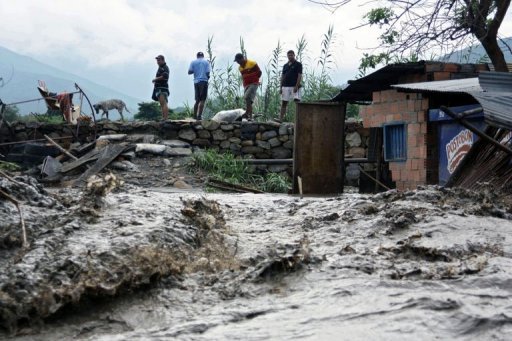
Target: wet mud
x=146 y=263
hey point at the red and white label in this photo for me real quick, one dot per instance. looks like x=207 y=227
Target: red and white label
x=457 y=148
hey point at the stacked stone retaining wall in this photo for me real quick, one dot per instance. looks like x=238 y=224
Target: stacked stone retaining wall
x=259 y=140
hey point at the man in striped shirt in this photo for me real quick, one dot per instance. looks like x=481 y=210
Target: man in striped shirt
x=251 y=74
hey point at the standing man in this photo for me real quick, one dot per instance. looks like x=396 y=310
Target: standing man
x=251 y=74
x=201 y=70
x=290 y=83
x=161 y=88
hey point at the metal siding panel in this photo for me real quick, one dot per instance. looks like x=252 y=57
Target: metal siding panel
x=496 y=81
x=454 y=86
x=496 y=100
x=497 y=108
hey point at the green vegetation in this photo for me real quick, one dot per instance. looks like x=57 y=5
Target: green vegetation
x=352 y=110
x=151 y=111
x=11 y=114
x=226 y=92
x=228 y=168
x=9 y=166
x=422 y=27
x=51 y=116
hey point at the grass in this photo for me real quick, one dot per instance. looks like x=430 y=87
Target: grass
x=228 y=168
x=9 y=166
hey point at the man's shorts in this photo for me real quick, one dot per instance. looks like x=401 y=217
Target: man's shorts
x=288 y=95
x=250 y=92
x=159 y=92
x=201 y=91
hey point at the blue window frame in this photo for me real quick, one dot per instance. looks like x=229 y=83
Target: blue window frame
x=395 y=142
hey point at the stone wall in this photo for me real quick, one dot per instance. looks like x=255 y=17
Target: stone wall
x=259 y=140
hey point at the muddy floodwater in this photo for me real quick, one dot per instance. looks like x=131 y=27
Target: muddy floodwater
x=155 y=264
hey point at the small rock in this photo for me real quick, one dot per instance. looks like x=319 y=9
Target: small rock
x=274 y=142
x=178 y=151
x=281 y=153
x=210 y=125
x=182 y=185
x=353 y=139
x=268 y=135
x=204 y=134
x=263 y=144
x=187 y=134
x=219 y=135
x=175 y=143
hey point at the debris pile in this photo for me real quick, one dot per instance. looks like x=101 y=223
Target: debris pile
x=127 y=154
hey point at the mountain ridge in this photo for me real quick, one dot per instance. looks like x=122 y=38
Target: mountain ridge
x=476 y=53
x=21 y=74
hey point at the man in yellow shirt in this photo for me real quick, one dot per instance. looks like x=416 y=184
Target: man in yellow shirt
x=251 y=74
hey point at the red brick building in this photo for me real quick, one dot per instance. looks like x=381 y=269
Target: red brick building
x=409 y=139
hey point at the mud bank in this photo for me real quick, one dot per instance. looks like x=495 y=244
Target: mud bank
x=79 y=250
x=430 y=263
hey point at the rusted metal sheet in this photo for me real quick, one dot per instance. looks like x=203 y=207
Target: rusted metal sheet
x=319 y=148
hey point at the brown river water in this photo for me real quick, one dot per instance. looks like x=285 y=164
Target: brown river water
x=156 y=264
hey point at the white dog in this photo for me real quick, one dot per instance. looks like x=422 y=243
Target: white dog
x=229 y=116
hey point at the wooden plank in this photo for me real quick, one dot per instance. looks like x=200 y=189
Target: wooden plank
x=109 y=154
x=460 y=119
x=228 y=185
x=84 y=148
x=318 y=154
x=71 y=156
x=91 y=156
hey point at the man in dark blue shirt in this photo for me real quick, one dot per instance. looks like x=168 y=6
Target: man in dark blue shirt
x=290 y=83
x=161 y=88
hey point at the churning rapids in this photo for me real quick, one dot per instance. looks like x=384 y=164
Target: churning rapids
x=154 y=265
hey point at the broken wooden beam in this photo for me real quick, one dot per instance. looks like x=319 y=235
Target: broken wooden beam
x=233 y=187
x=460 y=118
x=91 y=156
x=374 y=179
x=60 y=148
x=108 y=154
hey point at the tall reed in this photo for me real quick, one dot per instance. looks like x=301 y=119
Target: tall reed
x=226 y=92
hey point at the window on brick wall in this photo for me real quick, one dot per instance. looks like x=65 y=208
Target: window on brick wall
x=395 y=142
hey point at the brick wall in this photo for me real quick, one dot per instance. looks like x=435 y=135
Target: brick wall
x=392 y=106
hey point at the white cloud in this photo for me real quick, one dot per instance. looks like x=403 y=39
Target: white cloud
x=119 y=31
x=92 y=35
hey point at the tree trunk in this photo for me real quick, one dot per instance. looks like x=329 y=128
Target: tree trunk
x=495 y=54
x=489 y=36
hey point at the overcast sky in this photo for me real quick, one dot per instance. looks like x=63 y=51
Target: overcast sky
x=114 y=42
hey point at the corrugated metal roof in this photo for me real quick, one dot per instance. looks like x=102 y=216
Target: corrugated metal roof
x=360 y=90
x=496 y=81
x=491 y=67
x=493 y=90
x=455 y=85
x=497 y=107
